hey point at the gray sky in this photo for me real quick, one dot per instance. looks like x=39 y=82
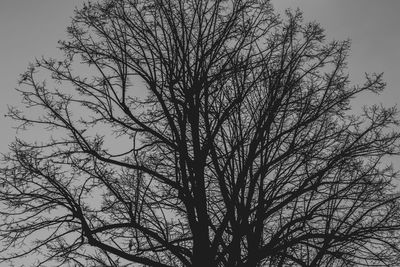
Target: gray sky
x=28 y=29
x=31 y=28
x=374 y=29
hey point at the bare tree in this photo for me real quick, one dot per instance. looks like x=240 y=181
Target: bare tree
x=243 y=150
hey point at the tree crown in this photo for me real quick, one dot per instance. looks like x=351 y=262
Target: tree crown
x=200 y=133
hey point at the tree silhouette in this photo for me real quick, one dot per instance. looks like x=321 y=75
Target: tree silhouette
x=199 y=133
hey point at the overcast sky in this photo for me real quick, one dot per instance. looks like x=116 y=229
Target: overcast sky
x=31 y=28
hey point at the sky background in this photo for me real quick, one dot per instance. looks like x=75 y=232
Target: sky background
x=31 y=28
